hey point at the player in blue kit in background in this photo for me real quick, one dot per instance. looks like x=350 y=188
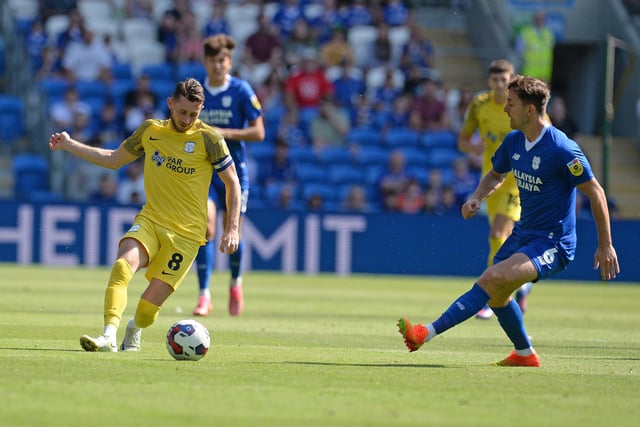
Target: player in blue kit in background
x=548 y=167
x=233 y=108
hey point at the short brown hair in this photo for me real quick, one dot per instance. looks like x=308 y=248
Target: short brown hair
x=531 y=91
x=215 y=44
x=190 y=89
x=500 y=66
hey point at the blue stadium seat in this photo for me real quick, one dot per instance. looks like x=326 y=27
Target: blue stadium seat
x=340 y=174
x=310 y=172
x=162 y=71
x=53 y=89
x=12 y=119
x=401 y=137
x=328 y=192
x=415 y=156
x=442 y=157
x=335 y=155
x=122 y=71
x=190 y=69
x=364 y=136
x=261 y=152
x=30 y=175
x=372 y=155
x=92 y=89
x=302 y=153
x=439 y=139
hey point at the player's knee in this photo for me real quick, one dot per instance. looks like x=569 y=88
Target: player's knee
x=146 y=313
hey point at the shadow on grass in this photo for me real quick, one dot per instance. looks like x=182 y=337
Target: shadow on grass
x=362 y=365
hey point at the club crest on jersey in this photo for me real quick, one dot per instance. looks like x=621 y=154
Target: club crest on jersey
x=575 y=167
x=535 y=164
x=226 y=101
x=189 y=147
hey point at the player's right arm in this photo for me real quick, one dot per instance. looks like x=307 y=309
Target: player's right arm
x=488 y=184
x=111 y=159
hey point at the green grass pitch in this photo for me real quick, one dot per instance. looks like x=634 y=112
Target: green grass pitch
x=316 y=351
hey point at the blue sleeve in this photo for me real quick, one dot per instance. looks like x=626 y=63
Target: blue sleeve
x=501 y=158
x=251 y=107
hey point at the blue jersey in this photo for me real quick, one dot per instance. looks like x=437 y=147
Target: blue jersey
x=546 y=175
x=233 y=105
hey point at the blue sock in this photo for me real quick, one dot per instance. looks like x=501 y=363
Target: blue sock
x=204 y=261
x=235 y=261
x=463 y=308
x=510 y=318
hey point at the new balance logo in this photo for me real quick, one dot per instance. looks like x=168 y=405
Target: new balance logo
x=516 y=156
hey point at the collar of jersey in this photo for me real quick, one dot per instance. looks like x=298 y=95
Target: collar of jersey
x=214 y=90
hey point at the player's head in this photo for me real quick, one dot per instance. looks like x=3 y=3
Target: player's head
x=185 y=104
x=218 y=57
x=526 y=100
x=500 y=73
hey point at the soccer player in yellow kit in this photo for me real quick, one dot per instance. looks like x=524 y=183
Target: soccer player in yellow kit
x=181 y=154
x=486 y=115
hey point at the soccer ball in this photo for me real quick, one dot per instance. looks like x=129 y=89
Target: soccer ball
x=188 y=340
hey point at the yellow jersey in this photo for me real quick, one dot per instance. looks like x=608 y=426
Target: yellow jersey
x=178 y=167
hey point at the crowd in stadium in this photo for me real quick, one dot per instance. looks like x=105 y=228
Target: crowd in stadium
x=357 y=116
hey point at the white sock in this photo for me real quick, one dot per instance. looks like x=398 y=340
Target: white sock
x=132 y=324
x=110 y=331
x=432 y=332
x=235 y=282
x=205 y=293
x=525 y=352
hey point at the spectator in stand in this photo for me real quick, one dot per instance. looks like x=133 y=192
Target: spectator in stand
x=50 y=65
x=560 y=118
x=385 y=95
x=279 y=169
x=36 y=41
x=63 y=113
x=189 y=42
x=322 y=24
x=464 y=181
x=217 y=22
x=337 y=50
x=365 y=116
x=168 y=35
x=417 y=52
x=82 y=179
x=110 y=125
x=356 y=200
x=107 y=190
x=305 y=90
x=535 y=44
x=396 y=13
x=131 y=187
x=449 y=204
x=302 y=40
x=142 y=90
x=315 y=202
x=381 y=49
x=143 y=110
x=138 y=9
x=87 y=59
x=74 y=30
x=359 y=14
x=411 y=200
x=458 y=103
x=428 y=110
x=286 y=16
x=331 y=126
x=393 y=180
x=348 y=88
x=290 y=130
x=260 y=45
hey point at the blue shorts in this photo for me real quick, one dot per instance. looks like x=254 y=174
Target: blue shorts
x=548 y=256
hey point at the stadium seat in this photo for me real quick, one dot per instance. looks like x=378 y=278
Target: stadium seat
x=53 y=89
x=161 y=71
x=310 y=172
x=364 y=136
x=145 y=52
x=335 y=155
x=398 y=36
x=190 y=69
x=421 y=173
x=122 y=71
x=138 y=30
x=95 y=9
x=30 y=174
x=261 y=152
x=372 y=155
x=441 y=157
x=377 y=75
x=415 y=156
x=439 y=139
x=12 y=119
x=56 y=24
x=340 y=174
x=302 y=153
x=328 y=192
x=401 y=137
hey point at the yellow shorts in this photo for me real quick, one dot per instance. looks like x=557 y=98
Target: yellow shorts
x=170 y=255
x=505 y=201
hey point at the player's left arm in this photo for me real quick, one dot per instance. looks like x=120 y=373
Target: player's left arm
x=605 y=257
x=253 y=132
x=231 y=235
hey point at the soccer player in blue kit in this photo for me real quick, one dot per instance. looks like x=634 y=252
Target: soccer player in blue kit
x=233 y=109
x=548 y=168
